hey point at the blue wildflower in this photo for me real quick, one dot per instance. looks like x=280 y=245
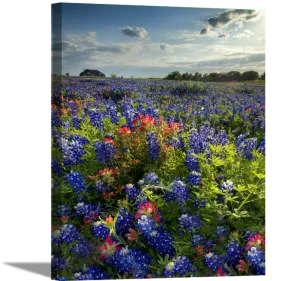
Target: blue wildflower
x=189 y=223
x=100 y=230
x=153 y=146
x=76 y=180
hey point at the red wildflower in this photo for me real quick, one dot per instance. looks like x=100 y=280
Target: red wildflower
x=242 y=266
x=108 y=248
x=220 y=272
x=64 y=219
x=132 y=235
x=108 y=194
x=147 y=209
x=110 y=140
x=124 y=131
x=257 y=240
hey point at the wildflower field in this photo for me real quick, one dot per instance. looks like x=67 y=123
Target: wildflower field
x=152 y=178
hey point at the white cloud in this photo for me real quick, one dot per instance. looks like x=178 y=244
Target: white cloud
x=135 y=31
x=245 y=34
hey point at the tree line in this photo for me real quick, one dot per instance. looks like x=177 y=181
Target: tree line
x=216 y=77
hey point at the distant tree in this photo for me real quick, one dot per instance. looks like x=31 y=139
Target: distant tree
x=262 y=76
x=249 y=75
x=114 y=75
x=205 y=77
x=66 y=74
x=175 y=75
x=132 y=77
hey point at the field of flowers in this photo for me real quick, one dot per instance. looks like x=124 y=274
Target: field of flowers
x=157 y=179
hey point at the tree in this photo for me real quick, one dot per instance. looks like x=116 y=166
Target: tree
x=175 y=75
x=262 y=76
x=249 y=75
x=66 y=74
x=114 y=75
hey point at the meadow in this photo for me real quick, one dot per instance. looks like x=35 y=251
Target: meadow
x=156 y=178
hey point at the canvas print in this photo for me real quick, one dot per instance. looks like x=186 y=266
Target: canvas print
x=158 y=142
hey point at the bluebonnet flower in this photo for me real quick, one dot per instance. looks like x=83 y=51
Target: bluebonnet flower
x=105 y=152
x=179 y=267
x=234 y=252
x=76 y=122
x=91 y=273
x=220 y=138
x=59 y=263
x=221 y=231
x=96 y=119
x=100 y=186
x=219 y=178
x=246 y=148
x=194 y=178
x=192 y=162
x=162 y=241
x=249 y=233
x=131 y=261
x=179 y=192
x=63 y=211
x=146 y=224
x=124 y=222
x=76 y=180
x=261 y=147
x=55 y=120
x=213 y=261
x=132 y=192
x=81 y=248
x=153 y=146
x=197 y=240
x=227 y=186
x=151 y=178
x=189 y=223
x=199 y=203
x=256 y=256
x=100 y=230
x=88 y=211
x=220 y=199
x=209 y=243
x=80 y=139
x=72 y=152
x=56 y=168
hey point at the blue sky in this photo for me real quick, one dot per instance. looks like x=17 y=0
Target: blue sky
x=143 y=41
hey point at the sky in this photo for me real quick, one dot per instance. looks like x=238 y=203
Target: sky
x=148 y=41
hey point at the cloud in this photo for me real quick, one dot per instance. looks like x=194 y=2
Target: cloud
x=222 y=35
x=135 y=31
x=245 y=34
x=238 y=17
x=204 y=31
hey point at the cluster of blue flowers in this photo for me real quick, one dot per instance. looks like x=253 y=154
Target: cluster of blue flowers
x=100 y=230
x=214 y=262
x=87 y=210
x=105 y=152
x=179 y=192
x=76 y=180
x=131 y=261
x=257 y=258
x=153 y=146
x=123 y=222
x=132 y=192
x=234 y=253
x=72 y=151
x=189 y=223
x=96 y=119
x=192 y=162
x=227 y=186
x=194 y=178
x=179 y=267
x=221 y=231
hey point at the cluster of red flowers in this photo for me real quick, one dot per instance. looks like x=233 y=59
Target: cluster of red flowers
x=149 y=209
